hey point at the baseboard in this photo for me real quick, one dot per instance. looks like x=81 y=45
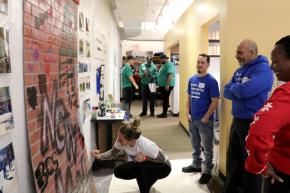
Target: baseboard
x=175 y=114
x=183 y=127
x=222 y=176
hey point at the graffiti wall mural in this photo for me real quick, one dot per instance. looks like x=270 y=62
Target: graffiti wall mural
x=58 y=155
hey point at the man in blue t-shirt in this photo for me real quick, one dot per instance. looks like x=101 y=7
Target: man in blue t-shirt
x=203 y=99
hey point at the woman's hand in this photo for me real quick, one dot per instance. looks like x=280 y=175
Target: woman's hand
x=139 y=157
x=96 y=153
x=270 y=172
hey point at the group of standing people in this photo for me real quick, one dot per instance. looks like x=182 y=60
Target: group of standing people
x=164 y=79
x=258 y=156
x=260 y=131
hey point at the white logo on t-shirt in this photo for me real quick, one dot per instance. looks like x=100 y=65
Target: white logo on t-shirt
x=201 y=85
x=245 y=79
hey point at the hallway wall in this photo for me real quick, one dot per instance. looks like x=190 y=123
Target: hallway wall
x=258 y=20
x=18 y=134
x=102 y=26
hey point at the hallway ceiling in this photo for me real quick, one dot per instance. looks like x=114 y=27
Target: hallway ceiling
x=147 y=19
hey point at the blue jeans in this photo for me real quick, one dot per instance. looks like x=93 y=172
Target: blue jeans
x=201 y=135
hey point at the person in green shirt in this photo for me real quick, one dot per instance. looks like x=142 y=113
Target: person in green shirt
x=166 y=82
x=127 y=84
x=148 y=74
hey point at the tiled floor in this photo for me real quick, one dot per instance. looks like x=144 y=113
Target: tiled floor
x=174 y=141
x=176 y=182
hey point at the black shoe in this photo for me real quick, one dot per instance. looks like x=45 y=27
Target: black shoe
x=162 y=116
x=142 y=114
x=131 y=115
x=190 y=169
x=152 y=115
x=204 y=179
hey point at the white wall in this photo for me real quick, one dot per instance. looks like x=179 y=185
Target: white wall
x=18 y=135
x=129 y=45
x=101 y=23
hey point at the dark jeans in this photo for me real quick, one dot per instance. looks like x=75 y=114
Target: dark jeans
x=128 y=97
x=147 y=95
x=277 y=187
x=237 y=176
x=165 y=98
x=146 y=173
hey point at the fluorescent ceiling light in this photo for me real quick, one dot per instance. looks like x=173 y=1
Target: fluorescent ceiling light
x=201 y=8
x=171 y=13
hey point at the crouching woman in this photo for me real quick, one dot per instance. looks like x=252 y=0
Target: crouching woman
x=146 y=161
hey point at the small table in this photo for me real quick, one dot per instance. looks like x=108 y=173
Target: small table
x=108 y=120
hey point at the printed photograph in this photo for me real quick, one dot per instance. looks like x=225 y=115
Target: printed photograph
x=81 y=47
x=88 y=49
x=83 y=67
x=5 y=66
x=6 y=115
x=81 y=21
x=4 y=6
x=8 y=182
x=88 y=25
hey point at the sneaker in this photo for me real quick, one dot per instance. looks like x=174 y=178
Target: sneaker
x=142 y=114
x=161 y=116
x=204 y=179
x=190 y=169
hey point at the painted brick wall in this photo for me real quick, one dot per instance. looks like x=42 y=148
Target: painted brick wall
x=58 y=156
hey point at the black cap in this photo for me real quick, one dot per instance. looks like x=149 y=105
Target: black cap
x=163 y=56
x=130 y=57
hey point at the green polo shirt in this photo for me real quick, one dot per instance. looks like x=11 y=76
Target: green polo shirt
x=152 y=70
x=126 y=73
x=168 y=68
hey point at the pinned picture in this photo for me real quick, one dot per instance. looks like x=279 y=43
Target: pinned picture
x=88 y=49
x=81 y=47
x=4 y=6
x=8 y=182
x=88 y=84
x=83 y=67
x=81 y=21
x=88 y=22
x=6 y=115
x=5 y=65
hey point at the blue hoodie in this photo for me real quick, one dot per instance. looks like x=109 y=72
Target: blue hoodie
x=249 y=88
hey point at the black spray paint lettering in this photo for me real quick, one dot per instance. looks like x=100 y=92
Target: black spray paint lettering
x=32 y=97
x=44 y=170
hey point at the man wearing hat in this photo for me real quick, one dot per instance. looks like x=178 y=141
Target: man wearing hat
x=166 y=82
x=148 y=74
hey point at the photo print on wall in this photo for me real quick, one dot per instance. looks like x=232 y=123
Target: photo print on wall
x=83 y=67
x=81 y=21
x=88 y=22
x=8 y=181
x=88 y=49
x=81 y=47
x=6 y=115
x=4 y=6
x=5 y=65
